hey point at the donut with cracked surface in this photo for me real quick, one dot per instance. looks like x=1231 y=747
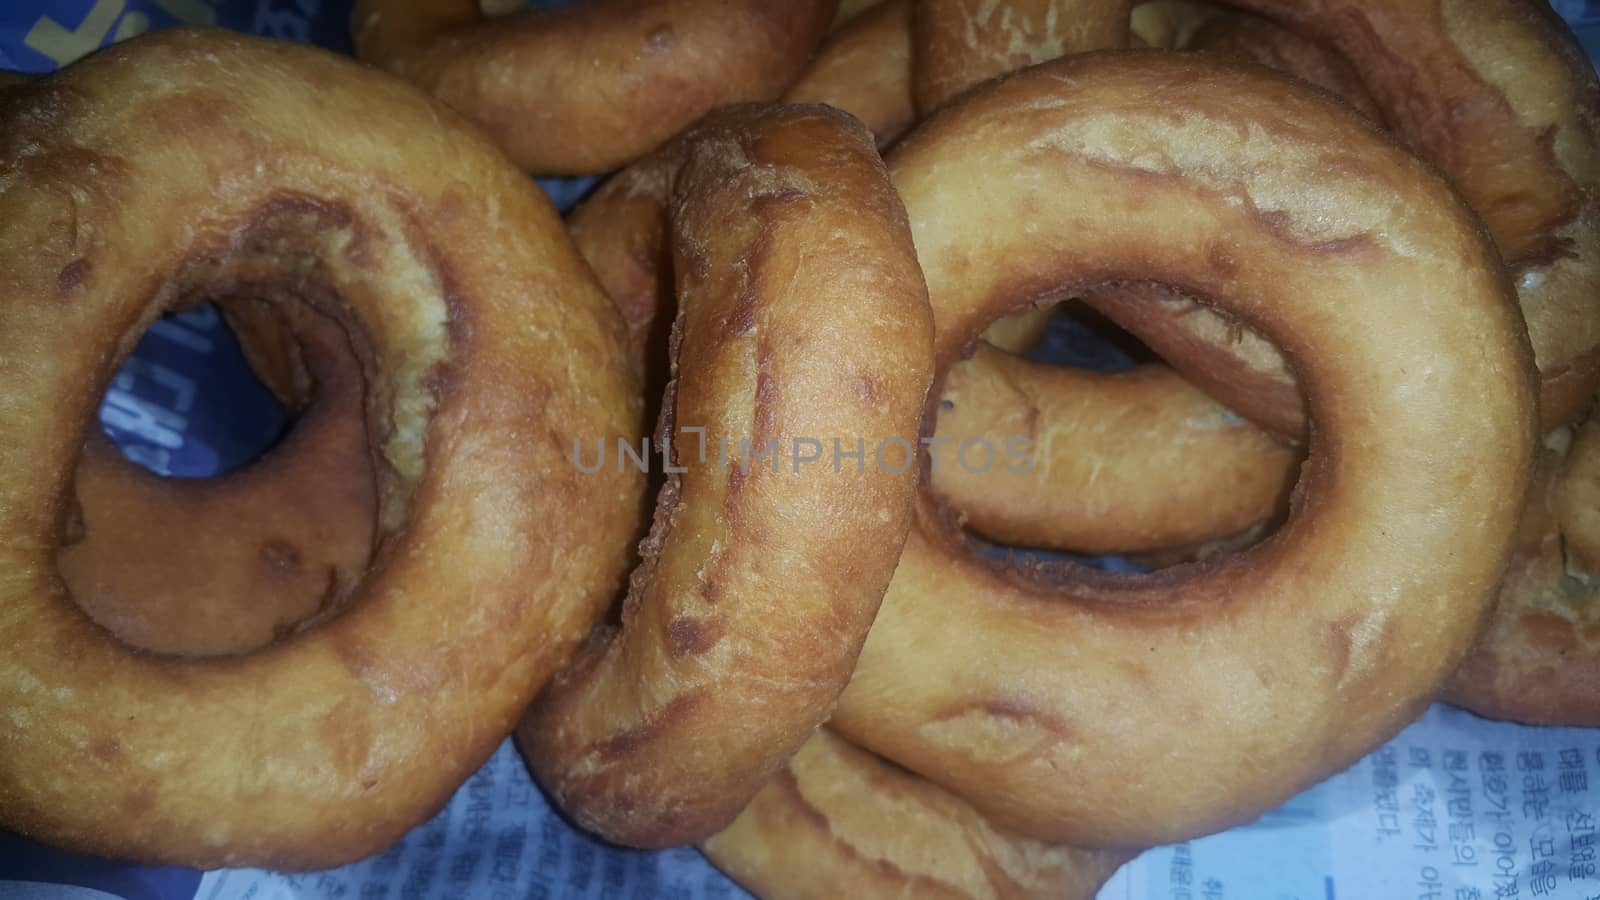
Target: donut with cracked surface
x=801 y=319
x=453 y=276
x=1308 y=649
x=584 y=89
x=840 y=822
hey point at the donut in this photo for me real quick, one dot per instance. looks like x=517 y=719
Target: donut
x=864 y=68
x=1026 y=460
x=801 y=319
x=1227 y=686
x=960 y=43
x=585 y=89
x=1259 y=41
x=839 y=822
x=280 y=544
x=1537 y=661
x=1501 y=99
x=190 y=164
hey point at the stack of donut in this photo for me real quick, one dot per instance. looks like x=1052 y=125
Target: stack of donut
x=1358 y=239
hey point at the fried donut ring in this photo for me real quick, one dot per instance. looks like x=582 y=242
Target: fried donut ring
x=960 y=43
x=1249 y=678
x=839 y=822
x=801 y=316
x=585 y=89
x=454 y=280
x=1499 y=97
x=1538 y=659
x=1191 y=471
x=278 y=546
x=865 y=70
x=1260 y=41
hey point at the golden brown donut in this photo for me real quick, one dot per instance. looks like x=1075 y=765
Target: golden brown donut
x=865 y=70
x=960 y=43
x=802 y=320
x=1498 y=96
x=487 y=347
x=214 y=566
x=1123 y=463
x=839 y=822
x=1229 y=686
x=1258 y=40
x=584 y=89
x=1538 y=659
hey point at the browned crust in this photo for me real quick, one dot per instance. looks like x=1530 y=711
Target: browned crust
x=417 y=233
x=1258 y=40
x=1538 y=658
x=865 y=70
x=1109 y=463
x=840 y=822
x=962 y=43
x=588 y=88
x=260 y=553
x=785 y=236
x=1269 y=670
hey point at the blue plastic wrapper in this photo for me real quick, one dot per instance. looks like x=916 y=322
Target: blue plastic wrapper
x=1455 y=808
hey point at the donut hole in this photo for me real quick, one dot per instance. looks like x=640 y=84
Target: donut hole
x=1106 y=456
x=225 y=559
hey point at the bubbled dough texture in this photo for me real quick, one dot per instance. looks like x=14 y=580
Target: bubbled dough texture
x=1272 y=670
x=328 y=747
x=587 y=88
x=801 y=314
x=839 y=822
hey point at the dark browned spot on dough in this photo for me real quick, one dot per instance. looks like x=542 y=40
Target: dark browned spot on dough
x=1341 y=640
x=138 y=801
x=766 y=409
x=630 y=740
x=660 y=40
x=688 y=636
x=1356 y=243
x=281 y=559
x=711 y=591
x=73 y=275
x=869 y=391
x=107 y=750
x=1222 y=261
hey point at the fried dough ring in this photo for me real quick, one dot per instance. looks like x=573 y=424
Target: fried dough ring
x=801 y=315
x=1500 y=98
x=1538 y=659
x=961 y=43
x=865 y=70
x=585 y=89
x=273 y=548
x=839 y=822
x=488 y=348
x=1190 y=470
x=1234 y=684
